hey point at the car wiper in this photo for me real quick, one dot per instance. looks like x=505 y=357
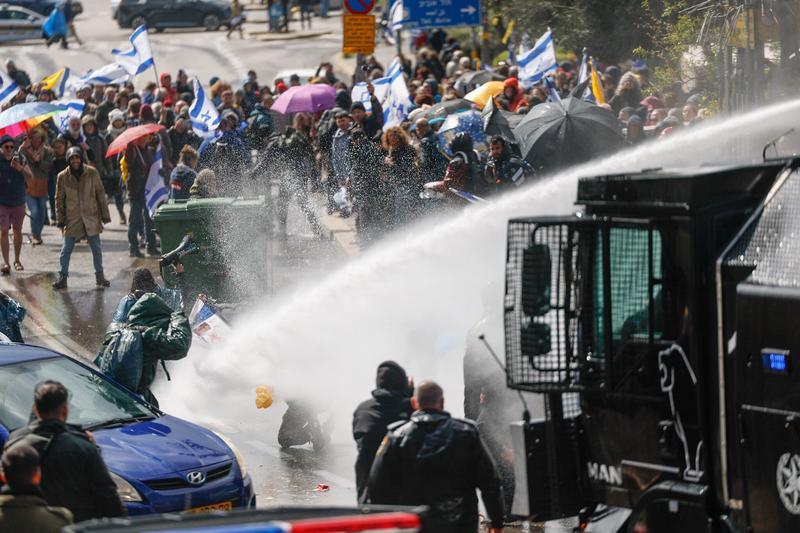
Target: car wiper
x=118 y=422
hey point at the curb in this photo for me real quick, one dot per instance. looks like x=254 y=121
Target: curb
x=266 y=36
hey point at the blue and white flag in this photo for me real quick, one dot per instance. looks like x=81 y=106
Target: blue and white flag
x=206 y=324
x=140 y=57
x=155 y=192
x=71 y=108
x=391 y=91
x=584 y=74
x=105 y=75
x=395 y=22
x=551 y=90
x=8 y=87
x=203 y=113
x=538 y=61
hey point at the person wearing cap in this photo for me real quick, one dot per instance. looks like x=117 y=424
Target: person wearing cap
x=40 y=160
x=22 y=504
x=14 y=171
x=81 y=211
x=390 y=402
x=372 y=122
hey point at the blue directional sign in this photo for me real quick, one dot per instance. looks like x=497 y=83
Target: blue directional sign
x=441 y=13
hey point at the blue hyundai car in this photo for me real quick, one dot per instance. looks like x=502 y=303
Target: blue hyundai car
x=160 y=463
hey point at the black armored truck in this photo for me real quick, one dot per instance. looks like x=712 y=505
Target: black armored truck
x=661 y=323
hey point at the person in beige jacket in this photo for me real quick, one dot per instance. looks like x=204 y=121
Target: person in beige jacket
x=81 y=211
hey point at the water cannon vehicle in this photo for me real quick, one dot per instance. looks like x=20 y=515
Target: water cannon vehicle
x=659 y=325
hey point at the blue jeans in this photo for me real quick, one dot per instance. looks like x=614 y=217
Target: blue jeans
x=140 y=222
x=38 y=208
x=324 y=6
x=94 y=244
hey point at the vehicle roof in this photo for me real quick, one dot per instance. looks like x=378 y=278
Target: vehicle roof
x=12 y=353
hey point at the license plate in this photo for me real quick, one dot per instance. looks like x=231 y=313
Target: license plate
x=224 y=506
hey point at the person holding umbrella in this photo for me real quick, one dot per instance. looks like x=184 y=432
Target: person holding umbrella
x=81 y=211
x=14 y=172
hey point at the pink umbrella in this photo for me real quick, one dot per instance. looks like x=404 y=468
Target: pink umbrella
x=306 y=98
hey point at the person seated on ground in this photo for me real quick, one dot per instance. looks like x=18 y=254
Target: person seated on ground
x=11 y=316
x=504 y=170
x=166 y=336
x=205 y=185
x=74 y=474
x=144 y=282
x=300 y=425
x=22 y=505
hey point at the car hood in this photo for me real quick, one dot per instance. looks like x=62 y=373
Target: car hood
x=159 y=447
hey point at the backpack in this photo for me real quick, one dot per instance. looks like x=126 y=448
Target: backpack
x=122 y=357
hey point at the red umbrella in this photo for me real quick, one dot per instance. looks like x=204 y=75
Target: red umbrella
x=130 y=135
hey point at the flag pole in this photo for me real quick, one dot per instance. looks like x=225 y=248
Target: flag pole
x=155 y=70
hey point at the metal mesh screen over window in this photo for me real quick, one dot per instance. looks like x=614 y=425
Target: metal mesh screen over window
x=541 y=306
x=772 y=244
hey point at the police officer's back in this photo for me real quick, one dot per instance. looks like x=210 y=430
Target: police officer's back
x=74 y=474
x=437 y=461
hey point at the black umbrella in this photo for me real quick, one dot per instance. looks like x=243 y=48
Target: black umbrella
x=555 y=135
x=471 y=80
x=443 y=109
x=500 y=122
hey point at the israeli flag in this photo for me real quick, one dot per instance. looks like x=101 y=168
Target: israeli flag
x=203 y=113
x=395 y=22
x=551 y=91
x=140 y=57
x=155 y=192
x=537 y=62
x=391 y=91
x=71 y=108
x=105 y=75
x=8 y=87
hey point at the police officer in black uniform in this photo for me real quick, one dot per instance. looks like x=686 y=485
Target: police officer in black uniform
x=437 y=461
x=504 y=169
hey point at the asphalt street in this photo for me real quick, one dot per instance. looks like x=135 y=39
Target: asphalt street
x=73 y=321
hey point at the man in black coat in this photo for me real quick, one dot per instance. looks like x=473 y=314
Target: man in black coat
x=432 y=162
x=505 y=170
x=437 y=461
x=390 y=402
x=74 y=474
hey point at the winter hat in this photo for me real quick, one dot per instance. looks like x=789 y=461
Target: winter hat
x=75 y=151
x=116 y=114
x=6 y=139
x=391 y=376
x=343 y=99
x=280 y=87
x=511 y=82
x=357 y=105
x=635 y=120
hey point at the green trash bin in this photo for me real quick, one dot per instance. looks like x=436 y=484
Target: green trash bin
x=233 y=235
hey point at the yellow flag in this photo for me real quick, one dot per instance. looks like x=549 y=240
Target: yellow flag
x=52 y=80
x=509 y=31
x=597 y=86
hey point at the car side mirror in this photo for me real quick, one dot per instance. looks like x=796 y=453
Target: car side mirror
x=536 y=280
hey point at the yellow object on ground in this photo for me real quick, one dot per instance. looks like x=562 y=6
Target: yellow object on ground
x=482 y=94
x=263 y=397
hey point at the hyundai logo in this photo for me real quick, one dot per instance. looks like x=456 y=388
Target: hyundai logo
x=196 y=478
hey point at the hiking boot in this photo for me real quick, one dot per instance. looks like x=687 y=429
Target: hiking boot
x=101 y=280
x=61 y=282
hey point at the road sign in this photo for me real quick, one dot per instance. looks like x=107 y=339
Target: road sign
x=359 y=7
x=441 y=13
x=358 y=34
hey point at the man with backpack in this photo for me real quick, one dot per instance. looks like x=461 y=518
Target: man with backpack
x=74 y=474
x=147 y=329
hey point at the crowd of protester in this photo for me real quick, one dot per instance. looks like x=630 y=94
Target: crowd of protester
x=363 y=168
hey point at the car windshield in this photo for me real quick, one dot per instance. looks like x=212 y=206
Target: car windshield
x=93 y=399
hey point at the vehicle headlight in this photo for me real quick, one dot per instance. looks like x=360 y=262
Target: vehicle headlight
x=236 y=453
x=126 y=491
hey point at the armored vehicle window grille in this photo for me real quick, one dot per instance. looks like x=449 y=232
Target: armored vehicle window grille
x=772 y=244
x=542 y=306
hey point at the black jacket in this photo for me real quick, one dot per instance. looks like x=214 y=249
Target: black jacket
x=370 y=421
x=507 y=172
x=74 y=474
x=432 y=162
x=437 y=461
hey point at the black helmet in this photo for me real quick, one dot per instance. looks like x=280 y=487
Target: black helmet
x=73 y=151
x=462 y=142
